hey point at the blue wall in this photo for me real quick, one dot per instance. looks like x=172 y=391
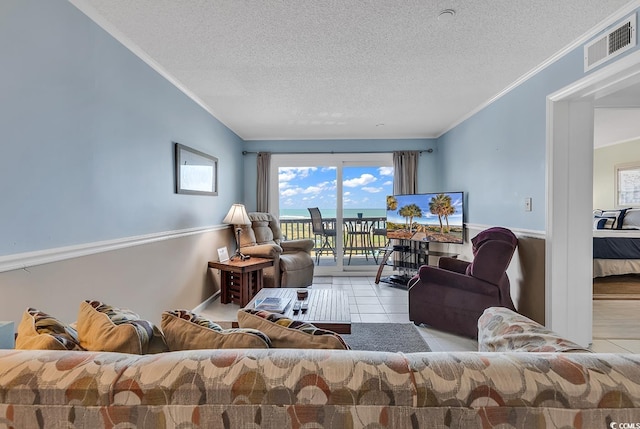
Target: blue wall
x=498 y=156
x=87 y=131
x=428 y=166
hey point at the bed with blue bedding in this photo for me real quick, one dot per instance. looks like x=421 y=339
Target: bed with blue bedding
x=616 y=242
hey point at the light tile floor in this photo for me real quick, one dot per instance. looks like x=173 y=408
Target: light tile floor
x=383 y=303
x=616 y=326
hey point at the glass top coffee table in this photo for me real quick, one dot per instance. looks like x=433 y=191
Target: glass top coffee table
x=328 y=309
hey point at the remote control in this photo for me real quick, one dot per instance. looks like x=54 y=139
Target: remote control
x=305 y=307
x=296 y=307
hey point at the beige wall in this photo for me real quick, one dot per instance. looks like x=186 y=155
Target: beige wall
x=526 y=271
x=147 y=279
x=173 y=274
x=604 y=161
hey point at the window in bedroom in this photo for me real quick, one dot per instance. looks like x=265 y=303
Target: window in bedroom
x=627 y=184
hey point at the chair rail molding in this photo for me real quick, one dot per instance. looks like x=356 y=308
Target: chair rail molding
x=21 y=261
x=520 y=232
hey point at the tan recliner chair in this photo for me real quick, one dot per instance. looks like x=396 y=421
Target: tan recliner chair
x=293 y=264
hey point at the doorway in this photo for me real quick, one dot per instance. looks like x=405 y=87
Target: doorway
x=569 y=247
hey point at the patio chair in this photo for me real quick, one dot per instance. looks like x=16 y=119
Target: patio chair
x=319 y=229
x=380 y=241
x=359 y=238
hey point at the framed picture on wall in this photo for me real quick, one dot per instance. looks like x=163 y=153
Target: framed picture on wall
x=196 y=172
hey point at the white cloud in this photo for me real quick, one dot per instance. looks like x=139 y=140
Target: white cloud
x=371 y=189
x=364 y=179
x=319 y=188
x=385 y=171
x=313 y=190
x=388 y=183
x=286 y=174
x=290 y=192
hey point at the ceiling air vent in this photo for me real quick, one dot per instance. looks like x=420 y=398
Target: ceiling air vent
x=615 y=42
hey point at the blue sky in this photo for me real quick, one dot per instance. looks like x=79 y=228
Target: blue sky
x=363 y=187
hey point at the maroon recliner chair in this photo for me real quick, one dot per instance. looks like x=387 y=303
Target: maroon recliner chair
x=452 y=296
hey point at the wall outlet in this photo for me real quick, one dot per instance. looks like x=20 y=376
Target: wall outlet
x=527 y=204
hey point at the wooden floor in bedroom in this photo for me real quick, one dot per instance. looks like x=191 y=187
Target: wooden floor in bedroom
x=616 y=314
x=617 y=287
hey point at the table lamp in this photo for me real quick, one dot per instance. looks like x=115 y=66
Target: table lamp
x=237 y=216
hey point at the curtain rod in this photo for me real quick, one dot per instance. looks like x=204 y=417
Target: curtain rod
x=245 y=152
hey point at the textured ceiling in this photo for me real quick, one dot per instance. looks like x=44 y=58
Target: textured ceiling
x=320 y=69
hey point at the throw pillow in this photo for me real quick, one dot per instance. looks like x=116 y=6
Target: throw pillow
x=185 y=330
x=616 y=215
x=503 y=330
x=40 y=331
x=603 y=222
x=288 y=333
x=102 y=327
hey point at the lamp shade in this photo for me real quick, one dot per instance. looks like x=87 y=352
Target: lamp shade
x=237 y=215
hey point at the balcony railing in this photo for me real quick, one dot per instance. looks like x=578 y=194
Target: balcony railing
x=362 y=237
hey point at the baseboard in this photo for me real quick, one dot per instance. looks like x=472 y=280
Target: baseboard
x=204 y=304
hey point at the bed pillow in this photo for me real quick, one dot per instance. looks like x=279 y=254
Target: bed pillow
x=185 y=330
x=40 y=331
x=288 y=333
x=102 y=327
x=603 y=222
x=631 y=219
x=616 y=215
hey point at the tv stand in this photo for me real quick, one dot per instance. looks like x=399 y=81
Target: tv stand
x=399 y=280
x=409 y=256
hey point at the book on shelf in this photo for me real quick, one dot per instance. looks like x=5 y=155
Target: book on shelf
x=272 y=304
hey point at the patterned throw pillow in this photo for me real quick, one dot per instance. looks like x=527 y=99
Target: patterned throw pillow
x=102 y=327
x=185 y=330
x=40 y=331
x=288 y=333
x=503 y=330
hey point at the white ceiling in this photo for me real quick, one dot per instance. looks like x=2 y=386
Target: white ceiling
x=617 y=117
x=320 y=69
x=613 y=126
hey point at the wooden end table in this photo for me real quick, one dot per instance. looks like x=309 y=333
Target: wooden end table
x=328 y=309
x=240 y=280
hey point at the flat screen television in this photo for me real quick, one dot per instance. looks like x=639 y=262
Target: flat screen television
x=435 y=217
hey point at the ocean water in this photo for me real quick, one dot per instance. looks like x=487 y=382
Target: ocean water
x=331 y=213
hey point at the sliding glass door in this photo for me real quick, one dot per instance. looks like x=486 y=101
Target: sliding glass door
x=348 y=191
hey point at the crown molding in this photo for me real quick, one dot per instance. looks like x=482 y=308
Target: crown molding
x=603 y=25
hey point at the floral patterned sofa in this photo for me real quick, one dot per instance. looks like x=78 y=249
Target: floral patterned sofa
x=282 y=388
